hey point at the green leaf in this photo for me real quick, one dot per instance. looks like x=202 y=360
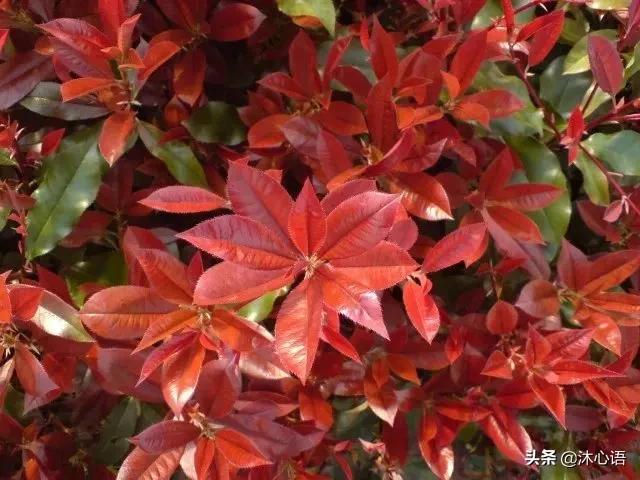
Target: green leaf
x=45 y=100
x=559 y=471
x=574 y=28
x=577 y=59
x=106 y=268
x=70 y=182
x=216 y=122
x=618 y=150
x=595 y=182
x=492 y=9
x=633 y=63
x=58 y=318
x=323 y=10
x=542 y=166
x=4 y=216
x=177 y=156
x=6 y=159
x=528 y=121
x=119 y=425
x=608 y=4
x=261 y=307
x=560 y=91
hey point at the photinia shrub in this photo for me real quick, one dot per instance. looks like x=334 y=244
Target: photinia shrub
x=315 y=239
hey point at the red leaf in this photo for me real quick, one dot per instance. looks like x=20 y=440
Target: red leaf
x=302 y=64
x=204 y=457
x=509 y=15
x=422 y=310
x=84 y=42
x=283 y=83
x=551 y=396
x=36 y=382
x=509 y=436
x=267 y=132
x=301 y=132
x=125 y=312
x=382 y=399
x=438 y=457
x=383 y=53
x=237 y=332
x=539 y=299
x=362 y=308
x=502 y=318
x=336 y=52
x=527 y=197
x=115 y=135
x=180 y=376
x=605 y=63
x=610 y=270
x=395 y=155
x=569 y=343
x=164 y=351
x=235 y=21
x=342 y=118
x=571 y=372
x=376 y=269
x=313 y=407
x=340 y=343
x=472 y=112
x=468 y=58
x=157 y=55
x=422 y=195
x=381 y=115
x=347 y=190
x=25 y=300
x=112 y=14
x=358 y=224
x=545 y=31
x=460 y=245
x=531 y=255
x=79 y=87
x=498 y=103
x=239 y=450
x=5 y=300
x=20 y=74
x=183 y=199
x=307 y=221
x=231 y=283
x=167 y=435
x=537 y=349
x=167 y=276
x=219 y=386
x=298 y=328
x=140 y=465
x=517 y=224
x=498 y=366
x=242 y=241
x=258 y=196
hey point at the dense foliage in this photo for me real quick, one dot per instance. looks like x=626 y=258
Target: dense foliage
x=305 y=239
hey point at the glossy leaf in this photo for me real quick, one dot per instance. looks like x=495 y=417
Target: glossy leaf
x=177 y=156
x=71 y=184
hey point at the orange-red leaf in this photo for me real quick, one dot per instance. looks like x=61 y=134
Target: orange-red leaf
x=235 y=21
x=115 y=135
x=605 y=63
x=460 y=245
x=298 y=328
x=183 y=199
